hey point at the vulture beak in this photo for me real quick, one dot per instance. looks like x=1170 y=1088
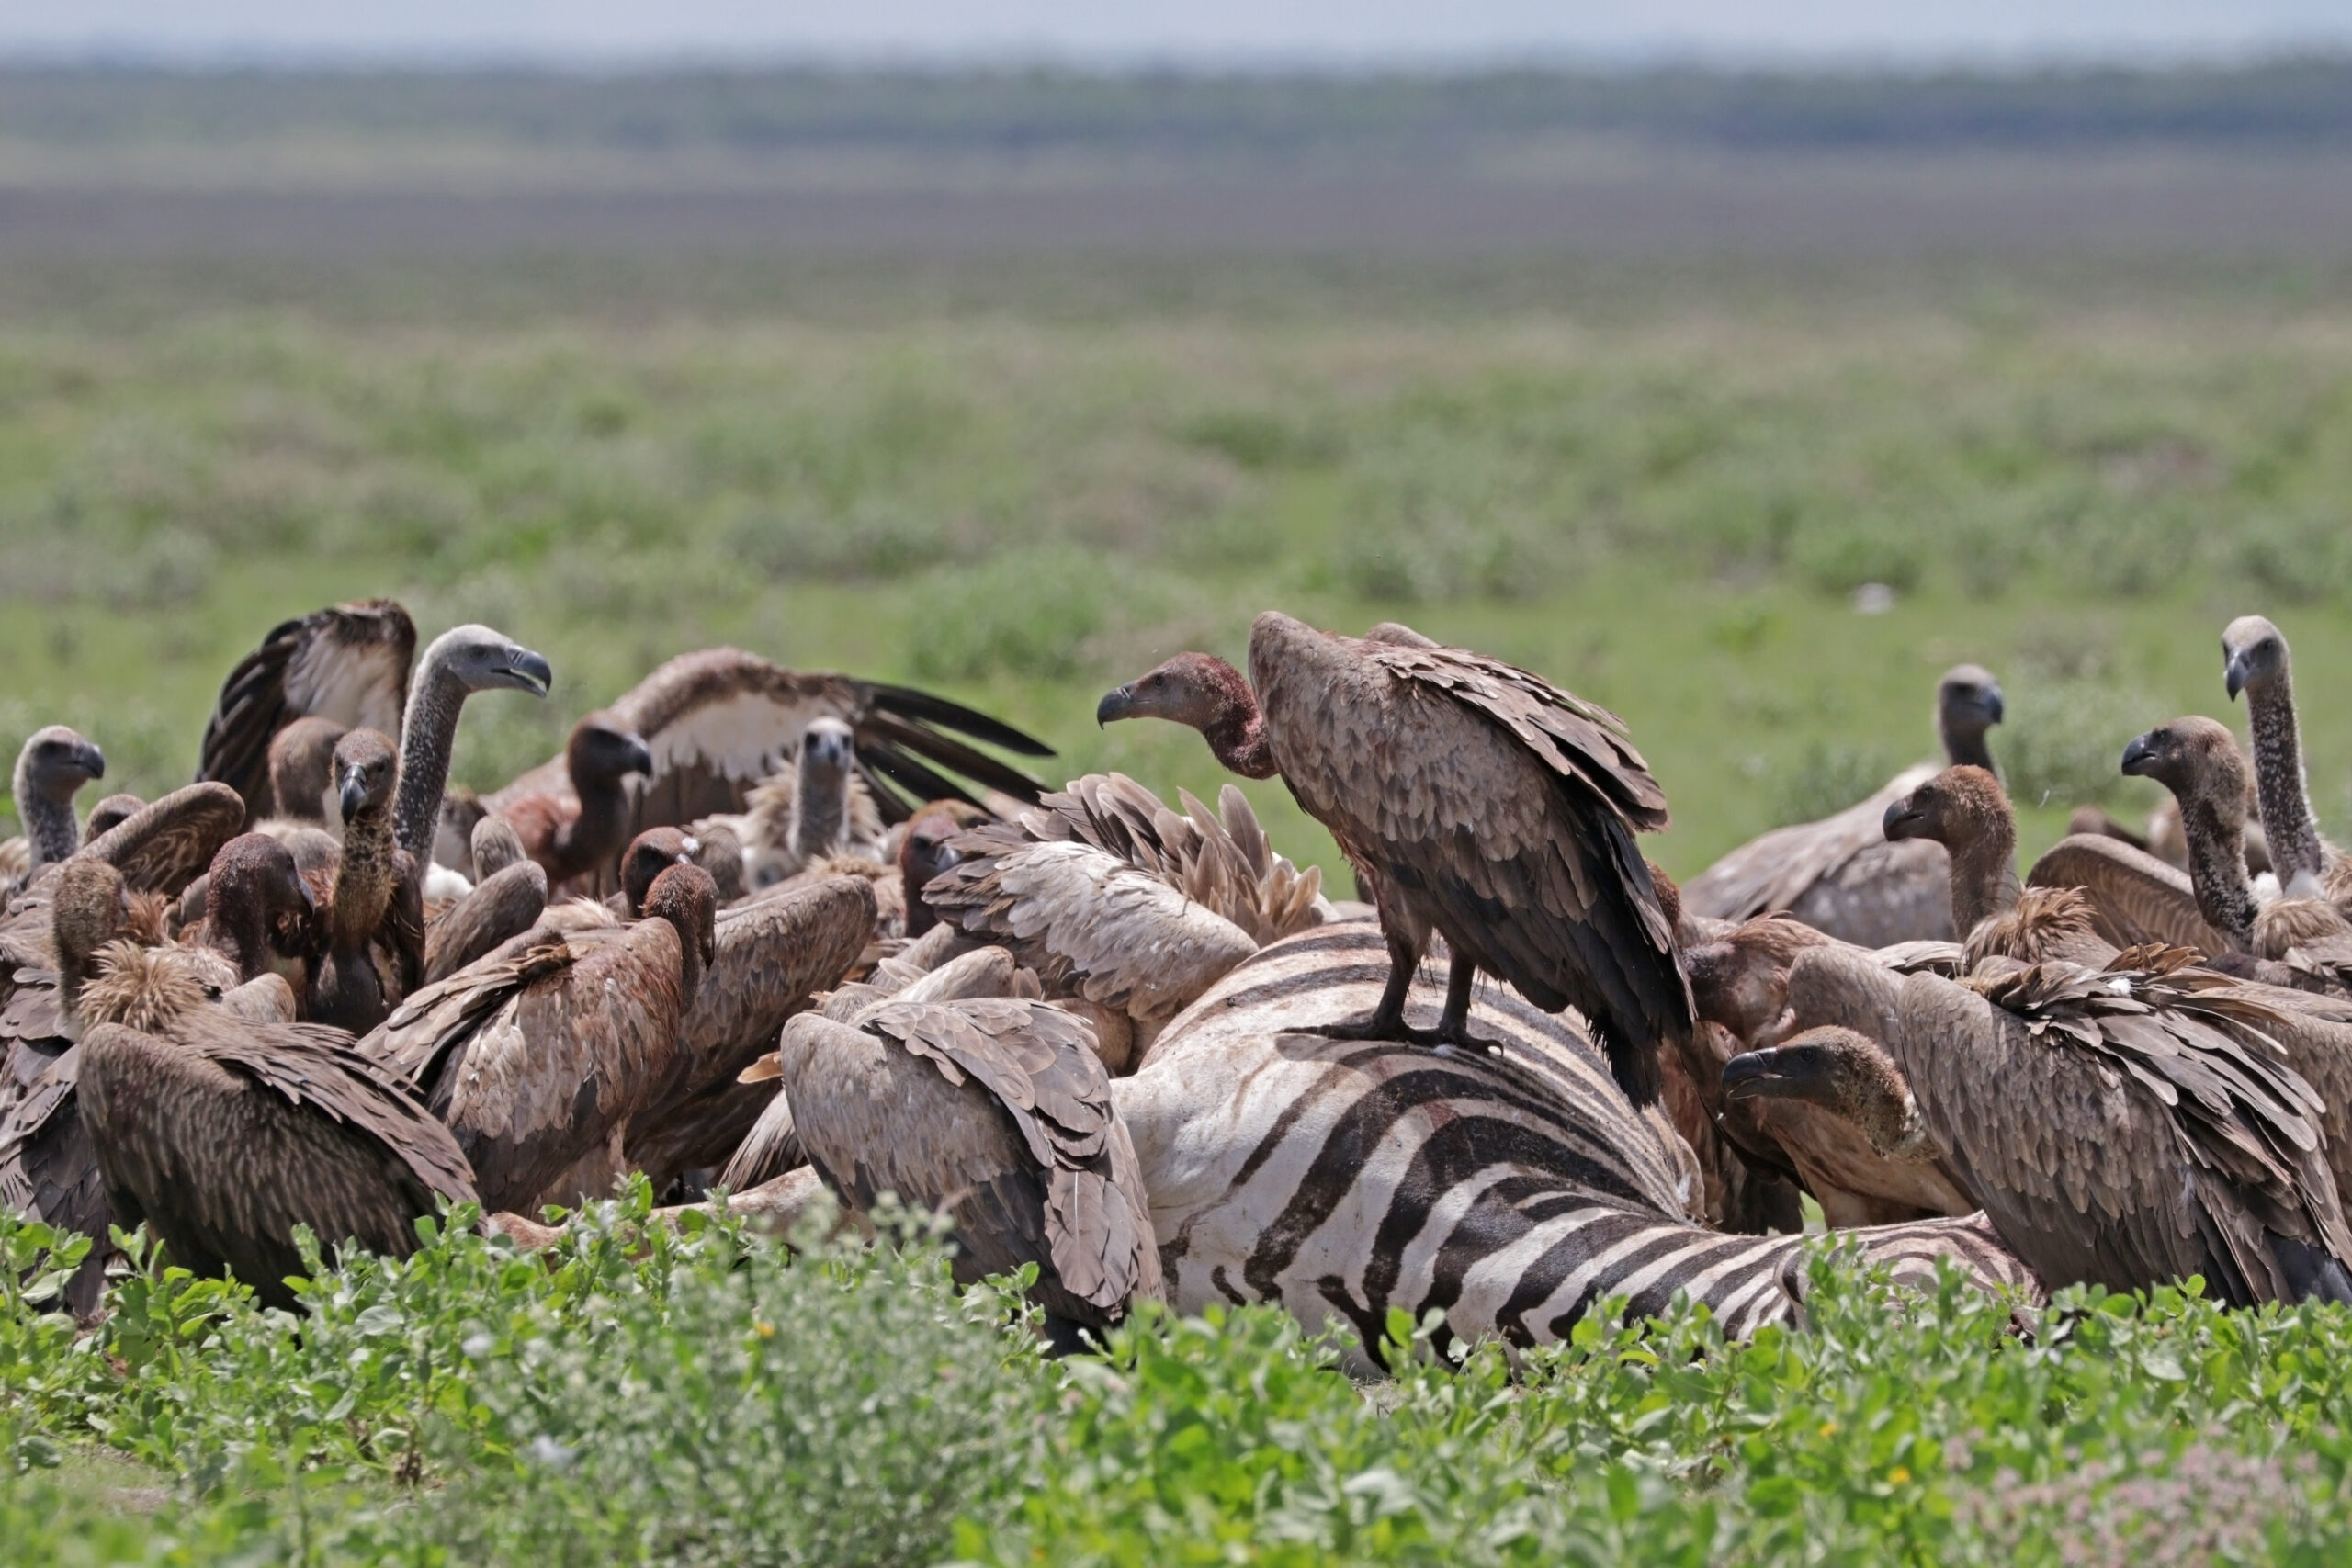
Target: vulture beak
x=2234 y=675
x=638 y=755
x=90 y=760
x=1994 y=710
x=1117 y=704
x=2140 y=755
x=1782 y=1072
x=354 y=795
x=1898 y=821
x=528 y=671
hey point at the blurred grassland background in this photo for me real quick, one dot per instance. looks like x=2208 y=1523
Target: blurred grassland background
x=1022 y=476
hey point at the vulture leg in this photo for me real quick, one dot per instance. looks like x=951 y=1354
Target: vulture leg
x=1454 y=1023
x=1387 y=1019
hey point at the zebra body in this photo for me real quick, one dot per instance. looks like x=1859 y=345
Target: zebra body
x=1513 y=1189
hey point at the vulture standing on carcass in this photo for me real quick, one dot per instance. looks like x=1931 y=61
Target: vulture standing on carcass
x=1840 y=874
x=998 y=1112
x=1479 y=802
x=51 y=770
x=1126 y=910
x=2118 y=1127
x=537 y=1055
x=719 y=721
x=349 y=664
x=223 y=1134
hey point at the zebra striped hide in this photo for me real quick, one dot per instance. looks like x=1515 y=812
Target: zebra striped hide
x=1514 y=1191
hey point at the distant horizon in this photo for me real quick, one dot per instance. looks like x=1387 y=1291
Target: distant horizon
x=1255 y=37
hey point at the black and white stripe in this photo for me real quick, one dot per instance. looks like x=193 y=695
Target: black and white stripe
x=1514 y=1189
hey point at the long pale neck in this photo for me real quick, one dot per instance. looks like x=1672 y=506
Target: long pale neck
x=363 y=880
x=1238 y=740
x=2217 y=869
x=427 y=737
x=2287 y=823
x=1984 y=875
x=50 y=828
x=819 y=816
x=1964 y=747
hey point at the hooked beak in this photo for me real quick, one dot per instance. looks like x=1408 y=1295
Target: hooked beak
x=2139 y=756
x=1994 y=707
x=1900 y=819
x=353 y=795
x=91 y=761
x=639 y=755
x=1117 y=704
x=1781 y=1072
x=528 y=671
x=2234 y=675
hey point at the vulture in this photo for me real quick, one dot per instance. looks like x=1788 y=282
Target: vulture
x=1126 y=910
x=259 y=912
x=1965 y=810
x=223 y=1134
x=576 y=836
x=719 y=721
x=375 y=947
x=108 y=815
x=817 y=808
x=2198 y=760
x=537 y=1055
x=349 y=665
x=2255 y=662
x=926 y=849
x=2116 y=1129
x=1839 y=874
x=998 y=1112
x=301 y=769
x=1481 y=803
x=51 y=770
x=767 y=960
x=510 y=895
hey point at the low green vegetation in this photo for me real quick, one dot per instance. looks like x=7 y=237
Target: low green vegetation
x=713 y=1398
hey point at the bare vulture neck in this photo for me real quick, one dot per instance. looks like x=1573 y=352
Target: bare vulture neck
x=1983 y=874
x=819 y=813
x=1236 y=729
x=2287 y=823
x=427 y=735
x=50 y=828
x=2217 y=867
x=363 y=880
x=1964 y=746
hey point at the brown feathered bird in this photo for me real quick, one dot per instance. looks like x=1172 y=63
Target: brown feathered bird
x=2118 y=1129
x=576 y=835
x=51 y=768
x=375 y=947
x=1966 y=811
x=998 y=1112
x=223 y=1134
x=1479 y=801
x=537 y=1055
x=1840 y=875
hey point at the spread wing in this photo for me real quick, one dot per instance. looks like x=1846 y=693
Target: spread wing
x=720 y=721
x=2136 y=897
x=1773 y=871
x=1040 y=1064
x=168 y=843
x=349 y=663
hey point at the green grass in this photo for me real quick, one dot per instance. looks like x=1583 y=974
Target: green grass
x=1023 y=483
x=645 y=1397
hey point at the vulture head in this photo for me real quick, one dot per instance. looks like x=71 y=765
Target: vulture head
x=481 y=660
x=719 y=849
x=111 y=812
x=649 y=854
x=495 y=847
x=2253 y=652
x=1968 y=702
x=147 y=987
x=367 y=771
x=88 y=908
x=1200 y=691
x=827 y=747
x=50 y=770
x=603 y=750
x=686 y=897
x=301 y=767
x=1740 y=980
x=2197 y=759
x=924 y=853
x=1960 y=805
x=1841 y=1071
x=257 y=899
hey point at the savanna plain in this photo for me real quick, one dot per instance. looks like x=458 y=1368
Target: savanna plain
x=1664 y=485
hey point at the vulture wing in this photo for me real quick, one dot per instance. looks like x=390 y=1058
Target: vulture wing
x=2136 y=897
x=1774 y=871
x=720 y=721
x=1040 y=1064
x=503 y=907
x=349 y=662
x=771 y=1148
x=168 y=843
x=1088 y=922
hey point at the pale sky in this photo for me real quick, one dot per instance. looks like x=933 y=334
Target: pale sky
x=1236 y=31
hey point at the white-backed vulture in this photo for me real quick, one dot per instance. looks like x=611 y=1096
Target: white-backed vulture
x=506 y=902
x=375 y=925
x=817 y=807
x=2118 y=1129
x=720 y=721
x=302 y=768
x=223 y=1134
x=998 y=1113
x=2256 y=661
x=578 y=835
x=926 y=848
x=537 y=1055
x=259 y=912
x=767 y=961
x=1482 y=804
x=51 y=768
x=1840 y=875
x=1965 y=810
